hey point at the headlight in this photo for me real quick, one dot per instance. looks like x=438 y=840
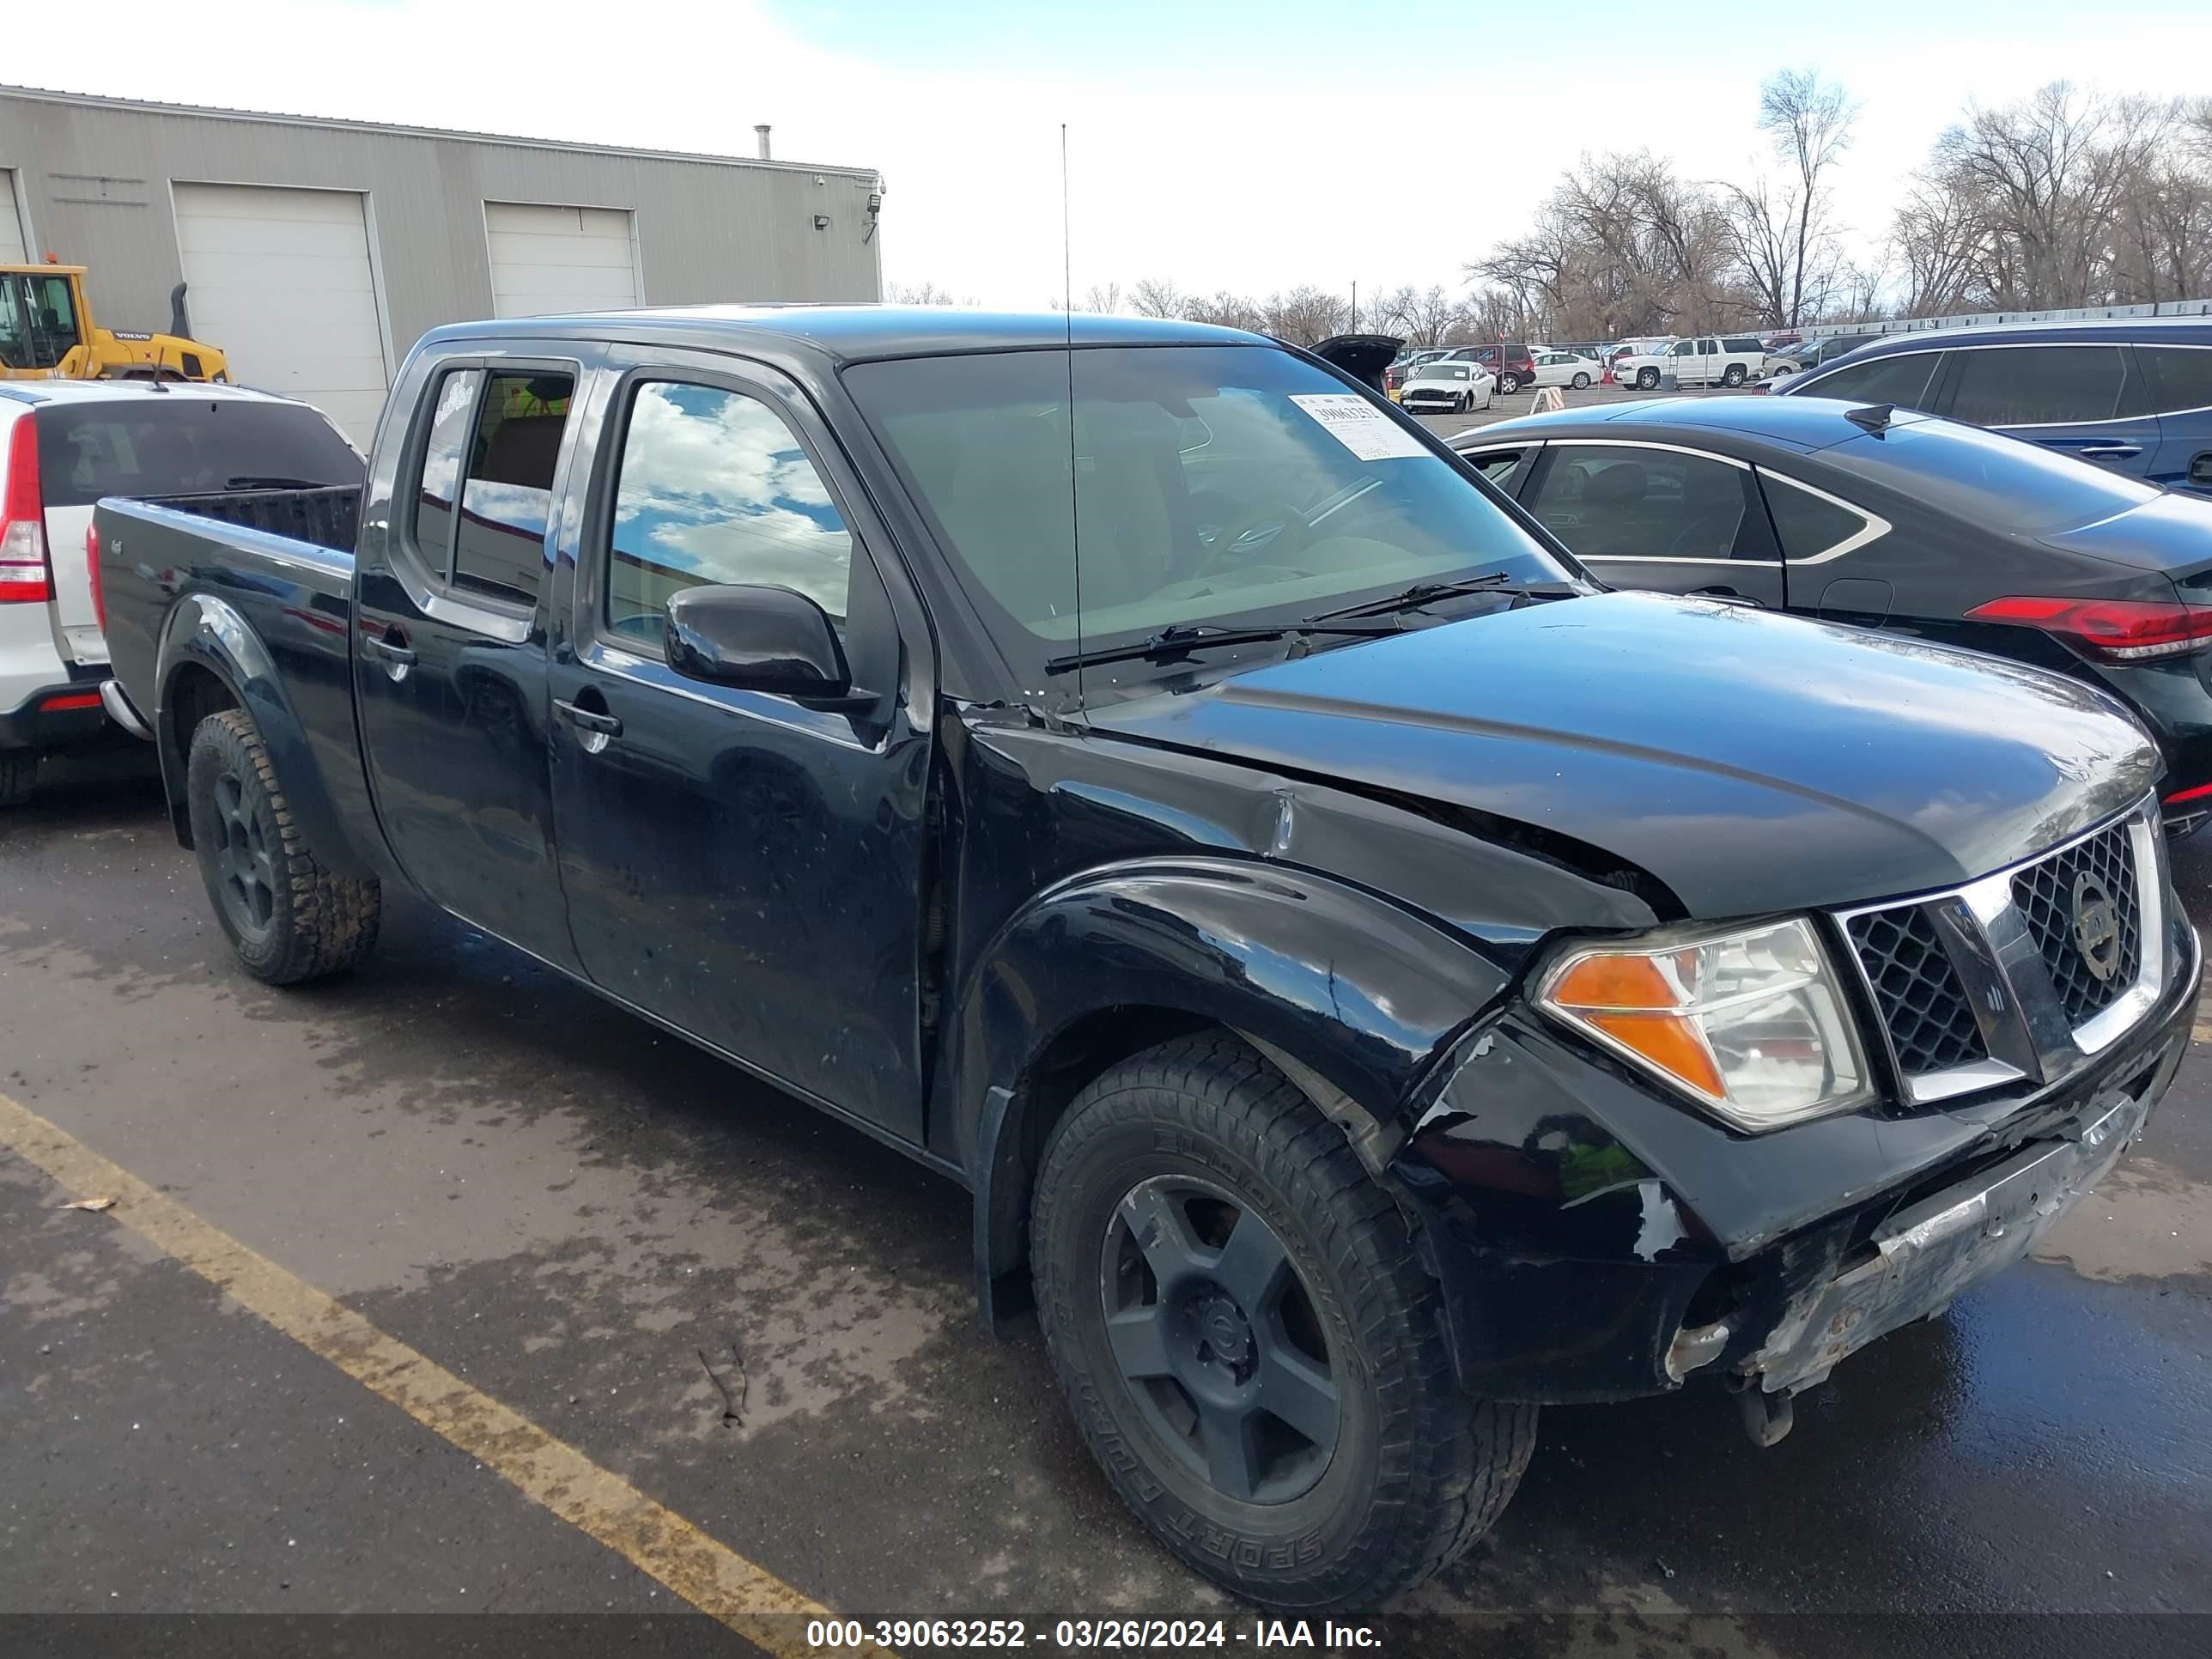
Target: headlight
x=1750 y=1024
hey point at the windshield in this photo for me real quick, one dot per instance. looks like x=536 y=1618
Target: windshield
x=1444 y=372
x=1210 y=484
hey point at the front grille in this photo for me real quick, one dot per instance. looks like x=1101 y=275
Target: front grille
x=1917 y=990
x=2051 y=894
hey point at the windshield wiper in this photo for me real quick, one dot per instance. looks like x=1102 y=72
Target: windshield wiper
x=1421 y=593
x=274 y=481
x=1176 y=643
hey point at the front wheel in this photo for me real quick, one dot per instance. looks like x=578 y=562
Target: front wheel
x=1581 y=382
x=1252 y=1352
x=288 y=918
x=1646 y=378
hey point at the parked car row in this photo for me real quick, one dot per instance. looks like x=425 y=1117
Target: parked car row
x=1375 y=977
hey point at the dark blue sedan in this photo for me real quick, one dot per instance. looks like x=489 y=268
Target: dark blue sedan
x=2134 y=395
x=1881 y=517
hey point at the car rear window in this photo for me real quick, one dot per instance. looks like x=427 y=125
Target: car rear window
x=180 y=445
x=1987 y=478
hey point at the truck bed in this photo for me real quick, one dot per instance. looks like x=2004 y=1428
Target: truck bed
x=243 y=597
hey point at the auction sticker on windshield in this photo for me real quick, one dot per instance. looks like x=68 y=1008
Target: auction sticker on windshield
x=1360 y=427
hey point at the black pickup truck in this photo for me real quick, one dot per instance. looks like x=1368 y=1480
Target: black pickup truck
x=1373 y=980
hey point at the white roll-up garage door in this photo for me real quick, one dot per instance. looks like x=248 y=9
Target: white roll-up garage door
x=546 y=260
x=281 y=280
x=11 y=223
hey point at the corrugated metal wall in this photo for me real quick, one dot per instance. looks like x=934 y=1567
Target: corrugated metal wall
x=96 y=176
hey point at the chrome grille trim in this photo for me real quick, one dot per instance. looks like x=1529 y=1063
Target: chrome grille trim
x=2001 y=964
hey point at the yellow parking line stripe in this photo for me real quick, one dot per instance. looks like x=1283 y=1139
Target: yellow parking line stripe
x=711 y=1577
x=2200 y=1033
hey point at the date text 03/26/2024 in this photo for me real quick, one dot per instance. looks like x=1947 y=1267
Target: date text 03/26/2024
x=830 y=1634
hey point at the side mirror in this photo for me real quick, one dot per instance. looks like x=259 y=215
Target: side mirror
x=757 y=639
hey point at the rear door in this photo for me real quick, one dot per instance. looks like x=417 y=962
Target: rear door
x=449 y=654
x=745 y=866
x=1660 y=516
x=2179 y=378
x=2085 y=400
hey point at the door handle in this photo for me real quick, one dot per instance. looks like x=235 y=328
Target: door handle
x=597 y=727
x=2109 y=451
x=392 y=647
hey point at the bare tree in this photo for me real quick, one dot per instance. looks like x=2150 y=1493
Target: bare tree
x=1424 y=316
x=1808 y=121
x=1159 y=296
x=2046 y=181
x=1229 y=310
x=924 y=292
x=1102 y=298
x=1304 y=315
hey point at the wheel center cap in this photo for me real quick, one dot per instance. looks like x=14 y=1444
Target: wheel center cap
x=1226 y=1331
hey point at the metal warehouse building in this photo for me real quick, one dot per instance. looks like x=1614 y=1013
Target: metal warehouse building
x=315 y=252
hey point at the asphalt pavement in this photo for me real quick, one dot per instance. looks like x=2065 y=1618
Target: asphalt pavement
x=756 y=1328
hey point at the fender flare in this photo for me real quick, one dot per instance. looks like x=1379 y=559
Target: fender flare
x=206 y=632
x=1351 y=996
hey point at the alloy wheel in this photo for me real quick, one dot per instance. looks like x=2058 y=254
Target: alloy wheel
x=243 y=857
x=1217 y=1338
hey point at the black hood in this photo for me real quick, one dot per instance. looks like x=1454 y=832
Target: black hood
x=1752 y=762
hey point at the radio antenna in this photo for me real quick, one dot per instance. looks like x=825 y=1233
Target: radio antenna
x=1067 y=319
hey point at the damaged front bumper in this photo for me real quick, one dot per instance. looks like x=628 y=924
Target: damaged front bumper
x=1926 y=1254
x=1596 y=1241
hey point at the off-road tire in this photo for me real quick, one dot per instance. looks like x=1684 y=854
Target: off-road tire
x=319 y=923
x=1419 y=1469
x=19 y=775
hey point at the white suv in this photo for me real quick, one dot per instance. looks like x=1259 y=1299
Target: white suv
x=64 y=444
x=1709 y=360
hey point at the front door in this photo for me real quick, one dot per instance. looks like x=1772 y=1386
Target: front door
x=743 y=866
x=1658 y=516
x=449 y=653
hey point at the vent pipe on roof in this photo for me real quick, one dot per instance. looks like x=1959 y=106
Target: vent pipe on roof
x=760 y=130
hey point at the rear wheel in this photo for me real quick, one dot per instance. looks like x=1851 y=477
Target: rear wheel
x=19 y=775
x=1508 y=384
x=288 y=918
x=1735 y=374
x=1581 y=382
x=1234 y=1309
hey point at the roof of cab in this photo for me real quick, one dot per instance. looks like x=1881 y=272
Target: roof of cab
x=858 y=333
x=1801 y=423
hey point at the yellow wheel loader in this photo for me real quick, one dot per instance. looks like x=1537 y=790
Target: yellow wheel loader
x=47 y=333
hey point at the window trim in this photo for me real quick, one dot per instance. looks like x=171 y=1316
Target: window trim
x=1872 y=525
x=437 y=595
x=1665 y=558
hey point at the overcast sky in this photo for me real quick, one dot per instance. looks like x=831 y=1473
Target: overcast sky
x=1220 y=143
